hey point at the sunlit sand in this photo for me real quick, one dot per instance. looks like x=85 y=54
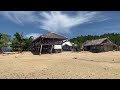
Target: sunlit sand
x=65 y=65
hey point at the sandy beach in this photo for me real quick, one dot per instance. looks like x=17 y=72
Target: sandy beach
x=65 y=65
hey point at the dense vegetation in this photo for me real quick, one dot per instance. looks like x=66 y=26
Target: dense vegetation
x=4 y=40
x=18 y=43
x=114 y=37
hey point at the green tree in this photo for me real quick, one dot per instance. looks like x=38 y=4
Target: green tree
x=18 y=41
x=27 y=43
x=114 y=37
x=4 y=40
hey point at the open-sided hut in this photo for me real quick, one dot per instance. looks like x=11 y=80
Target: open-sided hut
x=99 y=45
x=48 y=43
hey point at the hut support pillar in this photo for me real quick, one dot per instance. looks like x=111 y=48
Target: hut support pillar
x=51 y=49
x=36 y=48
x=40 y=50
x=61 y=50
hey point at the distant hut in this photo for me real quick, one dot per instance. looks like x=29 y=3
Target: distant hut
x=99 y=45
x=75 y=47
x=67 y=46
x=117 y=47
x=48 y=43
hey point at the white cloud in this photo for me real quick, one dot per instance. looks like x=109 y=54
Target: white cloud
x=20 y=17
x=53 y=21
x=56 y=21
x=34 y=35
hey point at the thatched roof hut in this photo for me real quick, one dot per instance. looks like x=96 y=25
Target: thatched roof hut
x=51 y=36
x=95 y=42
x=98 y=45
x=49 y=42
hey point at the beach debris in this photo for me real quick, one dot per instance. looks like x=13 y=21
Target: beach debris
x=91 y=60
x=105 y=68
x=68 y=71
x=16 y=56
x=74 y=58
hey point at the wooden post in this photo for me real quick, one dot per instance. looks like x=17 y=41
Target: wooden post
x=40 y=50
x=51 y=49
x=61 y=50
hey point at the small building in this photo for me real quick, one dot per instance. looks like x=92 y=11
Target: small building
x=99 y=45
x=67 y=46
x=47 y=43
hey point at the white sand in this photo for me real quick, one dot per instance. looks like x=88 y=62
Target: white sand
x=65 y=65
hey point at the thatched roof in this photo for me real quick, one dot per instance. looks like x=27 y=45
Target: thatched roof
x=94 y=42
x=51 y=35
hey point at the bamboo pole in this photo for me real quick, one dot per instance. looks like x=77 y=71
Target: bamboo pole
x=40 y=50
x=51 y=49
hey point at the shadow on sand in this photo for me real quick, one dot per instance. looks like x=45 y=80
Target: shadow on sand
x=35 y=52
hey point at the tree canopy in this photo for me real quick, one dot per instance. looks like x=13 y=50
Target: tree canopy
x=114 y=37
x=20 y=43
x=4 y=40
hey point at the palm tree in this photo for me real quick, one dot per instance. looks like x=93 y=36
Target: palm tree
x=4 y=41
x=18 y=41
x=27 y=42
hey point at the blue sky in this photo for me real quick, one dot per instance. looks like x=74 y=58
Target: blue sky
x=67 y=23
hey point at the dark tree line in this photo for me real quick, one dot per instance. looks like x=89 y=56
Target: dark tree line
x=20 y=43
x=114 y=37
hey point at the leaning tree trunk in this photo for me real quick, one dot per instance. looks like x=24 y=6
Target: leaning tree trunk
x=21 y=50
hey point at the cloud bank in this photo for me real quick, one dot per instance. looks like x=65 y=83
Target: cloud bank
x=53 y=21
